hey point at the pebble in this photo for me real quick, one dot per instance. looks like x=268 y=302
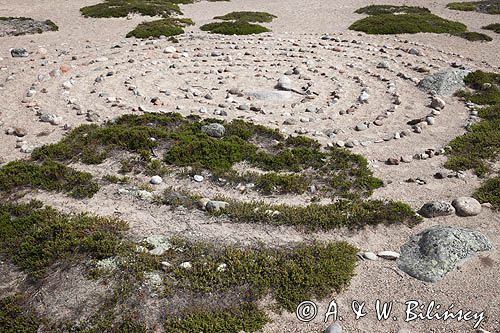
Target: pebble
x=284 y=83
x=19 y=53
x=389 y=255
x=198 y=178
x=334 y=328
x=156 y=180
x=370 y=256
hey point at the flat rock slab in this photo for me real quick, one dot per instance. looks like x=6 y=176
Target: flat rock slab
x=11 y=26
x=434 y=252
x=271 y=95
x=444 y=83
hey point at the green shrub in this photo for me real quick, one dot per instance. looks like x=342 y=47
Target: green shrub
x=314 y=217
x=243 y=318
x=480 y=146
x=16 y=317
x=493 y=27
x=164 y=27
x=121 y=8
x=49 y=176
x=485 y=6
x=260 y=17
x=390 y=9
x=489 y=192
x=473 y=36
x=406 y=23
x=234 y=28
x=34 y=237
x=291 y=275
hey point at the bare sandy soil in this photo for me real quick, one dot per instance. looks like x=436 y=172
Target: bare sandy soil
x=207 y=64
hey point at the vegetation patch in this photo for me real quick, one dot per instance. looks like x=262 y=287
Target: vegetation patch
x=47 y=175
x=34 y=237
x=487 y=6
x=382 y=24
x=290 y=164
x=234 y=28
x=485 y=88
x=16 y=317
x=489 y=192
x=247 y=17
x=390 y=9
x=122 y=8
x=479 y=148
x=343 y=213
x=493 y=27
x=291 y=275
x=243 y=318
x=164 y=27
x=473 y=36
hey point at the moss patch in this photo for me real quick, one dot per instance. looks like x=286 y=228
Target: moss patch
x=234 y=28
x=34 y=237
x=164 y=27
x=485 y=88
x=487 y=6
x=247 y=17
x=49 y=176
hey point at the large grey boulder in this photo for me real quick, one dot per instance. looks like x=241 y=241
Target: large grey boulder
x=436 y=208
x=444 y=83
x=432 y=253
x=214 y=130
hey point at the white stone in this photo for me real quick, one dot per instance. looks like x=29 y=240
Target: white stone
x=389 y=255
x=155 y=180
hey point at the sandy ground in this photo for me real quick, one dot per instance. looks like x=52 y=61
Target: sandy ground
x=254 y=64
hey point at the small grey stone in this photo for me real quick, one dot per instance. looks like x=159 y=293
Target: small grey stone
x=284 y=83
x=466 y=206
x=437 y=103
x=215 y=206
x=334 y=328
x=19 y=53
x=198 y=178
x=370 y=255
x=215 y=130
x=155 y=180
x=436 y=208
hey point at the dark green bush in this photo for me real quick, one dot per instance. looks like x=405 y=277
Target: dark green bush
x=243 y=318
x=164 y=27
x=121 y=8
x=390 y=9
x=406 y=23
x=314 y=217
x=260 y=17
x=489 y=192
x=234 y=28
x=493 y=27
x=473 y=36
x=34 y=237
x=49 y=176
x=485 y=6
x=16 y=317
